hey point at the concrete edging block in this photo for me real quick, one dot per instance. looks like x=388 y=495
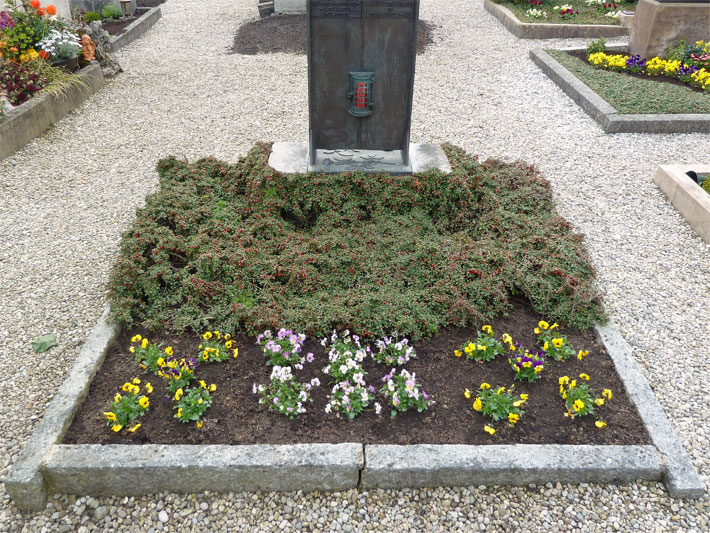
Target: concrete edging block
x=541 y=30
x=137 y=28
x=145 y=469
x=681 y=478
x=689 y=199
x=31 y=119
x=25 y=482
x=426 y=465
x=606 y=115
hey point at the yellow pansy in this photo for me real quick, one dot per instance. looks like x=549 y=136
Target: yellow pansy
x=228 y=344
x=203 y=384
x=199 y=424
x=564 y=380
x=573 y=384
x=585 y=377
x=227 y=337
x=500 y=390
x=132 y=349
x=524 y=397
x=546 y=346
x=207 y=336
x=488 y=329
x=485 y=386
x=144 y=344
x=160 y=362
x=178 y=395
x=513 y=418
x=179 y=413
x=527 y=364
x=600 y=424
x=149 y=388
x=578 y=405
x=144 y=402
x=558 y=342
x=117 y=398
x=236 y=352
x=489 y=430
x=555 y=325
x=136 y=381
x=116 y=427
x=582 y=354
x=507 y=338
x=477 y=405
x=134 y=428
x=127 y=387
x=467 y=394
x=136 y=338
x=169 y=350
x=213 y=387
x=469 y=348
x=517 y=403
x=206 y=356
x=199 y=402
x=537 y=369
x=537 y=331
x=217 y=334
x=111 y=417
x=599 y=401
x=607 y=394
x=542 y=324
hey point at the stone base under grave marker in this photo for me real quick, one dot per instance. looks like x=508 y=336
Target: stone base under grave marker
x=292 y=157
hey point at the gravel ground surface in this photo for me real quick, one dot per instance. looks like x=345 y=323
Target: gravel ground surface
x=67 y=197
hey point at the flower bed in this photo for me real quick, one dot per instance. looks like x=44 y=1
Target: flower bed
x=440 y=378
x=568 y=12
x=690 y=64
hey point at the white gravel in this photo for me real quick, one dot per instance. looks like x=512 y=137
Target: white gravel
x=67 y=197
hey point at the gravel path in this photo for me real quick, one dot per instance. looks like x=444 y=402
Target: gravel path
x=67 y=197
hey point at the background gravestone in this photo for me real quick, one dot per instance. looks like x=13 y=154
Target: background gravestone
x=361 y=58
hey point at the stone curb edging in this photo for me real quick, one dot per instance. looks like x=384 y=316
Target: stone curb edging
x=45 y=465
x=686 y=196
x=137 y=28
x=611 y=121
x=427 y=465
x=124 y=470
x=681 y=478
x=25 y=483
x=537 y=30
x=29 y=120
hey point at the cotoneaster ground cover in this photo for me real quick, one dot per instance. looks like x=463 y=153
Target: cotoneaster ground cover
x=241 y=248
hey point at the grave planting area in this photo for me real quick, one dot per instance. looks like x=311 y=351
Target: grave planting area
x=184 y=94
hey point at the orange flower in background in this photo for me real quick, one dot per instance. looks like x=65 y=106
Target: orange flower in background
x=41 y=12
x=35 y=4
x=51 y=10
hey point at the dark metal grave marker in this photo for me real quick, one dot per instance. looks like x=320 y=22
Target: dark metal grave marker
x=361 y=56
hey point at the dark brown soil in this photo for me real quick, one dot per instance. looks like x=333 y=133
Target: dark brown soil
x=288 y=34
x=117 y=28
x=581 y=54
x=237 y=418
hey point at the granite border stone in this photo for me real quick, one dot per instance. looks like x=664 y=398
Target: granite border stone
x=137 y=28
x=46 y=466
x=686 y=196
x=541 y=30
x=606 y=115
x=31 y=119
x=427 y=465
x=127 y=470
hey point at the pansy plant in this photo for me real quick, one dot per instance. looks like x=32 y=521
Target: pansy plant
x=391 y=351
x=192 y=403
x=284 y=348
x=148 y=354
x=128 y=406
x=498 y=403
x=553 y=342
x=217 y=347
x=485 y=348
x=527 y=365
x=404 y=393
x=284 y=394
x=580 y=400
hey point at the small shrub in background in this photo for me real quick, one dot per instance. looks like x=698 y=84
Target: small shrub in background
x=91 y=16
x=111 y=13
x=706 y=184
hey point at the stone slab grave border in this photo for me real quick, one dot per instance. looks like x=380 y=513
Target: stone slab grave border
x=689 y=199
x=29 y=120
x=137 y=28
x=606 y=115
x=541 y=30
x=46 y=466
